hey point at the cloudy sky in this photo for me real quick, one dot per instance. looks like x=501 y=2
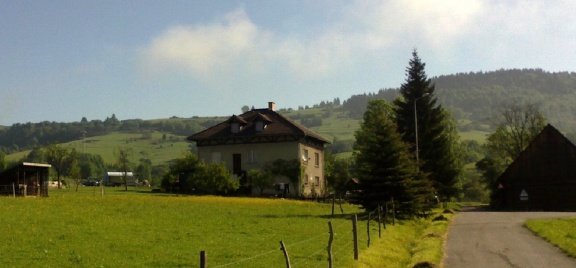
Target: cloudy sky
x=64 y=60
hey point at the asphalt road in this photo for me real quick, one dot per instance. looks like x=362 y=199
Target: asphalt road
x=498 y=239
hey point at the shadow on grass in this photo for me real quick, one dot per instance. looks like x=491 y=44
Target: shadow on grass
x=475 y=208
x=305 y=216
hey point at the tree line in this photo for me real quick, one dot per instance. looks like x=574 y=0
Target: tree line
x=20 y=137
x=480 y=96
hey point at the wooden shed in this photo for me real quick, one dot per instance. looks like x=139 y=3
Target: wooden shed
x=542 y=177
x=25 y=179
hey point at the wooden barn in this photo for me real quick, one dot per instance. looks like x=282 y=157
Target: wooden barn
x=543 y=176
x=25 y=179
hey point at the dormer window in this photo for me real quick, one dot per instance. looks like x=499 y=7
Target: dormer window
x=236 y=124
x=235 y=127
x=259 y=125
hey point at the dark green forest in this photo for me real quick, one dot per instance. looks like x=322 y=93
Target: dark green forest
x=474 y=99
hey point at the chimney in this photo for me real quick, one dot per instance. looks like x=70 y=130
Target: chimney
x=271 y=106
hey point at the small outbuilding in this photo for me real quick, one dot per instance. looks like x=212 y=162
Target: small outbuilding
x=542 y=177
x=25 y=179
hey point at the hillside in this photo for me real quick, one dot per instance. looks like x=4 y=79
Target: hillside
x=157 y=146
x=473 y=98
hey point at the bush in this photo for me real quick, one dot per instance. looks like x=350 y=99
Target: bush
x=191 y=176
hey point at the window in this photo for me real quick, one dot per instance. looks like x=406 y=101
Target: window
x=305 y=155
x=235 y=127
x=317 y=181
x=317 y=159
x=216 y=157
x=259 y=125
x=306 y=179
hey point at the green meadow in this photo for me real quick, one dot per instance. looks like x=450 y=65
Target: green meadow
x=559 y=232
x=142 y=229
x=150 y=145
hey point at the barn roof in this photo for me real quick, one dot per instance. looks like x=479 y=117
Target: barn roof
x=548 y=137
x=275 y=125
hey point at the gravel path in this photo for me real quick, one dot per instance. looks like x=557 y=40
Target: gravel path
x=498 y=239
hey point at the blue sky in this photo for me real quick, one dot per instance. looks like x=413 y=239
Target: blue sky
x=64 y=60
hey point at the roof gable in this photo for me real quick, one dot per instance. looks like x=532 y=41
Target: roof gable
x=276 y=127
x=550 y=156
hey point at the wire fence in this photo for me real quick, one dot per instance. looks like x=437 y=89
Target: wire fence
x=315 y=250
x=11 y=190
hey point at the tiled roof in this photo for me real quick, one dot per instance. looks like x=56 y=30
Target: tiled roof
x=275 y=125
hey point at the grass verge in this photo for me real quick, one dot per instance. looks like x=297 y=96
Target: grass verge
x=559 y=232
x=409 y=243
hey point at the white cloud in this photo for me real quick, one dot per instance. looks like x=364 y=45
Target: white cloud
x=204 y=48
x=488 y=29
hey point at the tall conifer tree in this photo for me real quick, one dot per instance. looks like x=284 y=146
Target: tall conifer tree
x=436 y=135
x=384 y=166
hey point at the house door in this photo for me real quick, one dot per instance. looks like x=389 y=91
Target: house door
x=237 y=164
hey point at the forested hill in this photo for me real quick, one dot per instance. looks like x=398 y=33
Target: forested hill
x=477 y=97
x=473 y=98
x=25 y=136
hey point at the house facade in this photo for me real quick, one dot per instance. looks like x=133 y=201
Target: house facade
x=542 y=177
x=259 y=137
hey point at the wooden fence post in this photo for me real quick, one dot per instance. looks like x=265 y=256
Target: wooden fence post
x=368 y=229
x=340 y=204
x=330 y=240
x=393 y=212
x=333 y=201
x=203 y=260
x=355 y=235
x=283 y=248
x=385 y=214
x=379 y=221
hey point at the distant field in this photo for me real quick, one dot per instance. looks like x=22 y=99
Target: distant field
x=343 y=129
x=476 y=135
x=150 y=146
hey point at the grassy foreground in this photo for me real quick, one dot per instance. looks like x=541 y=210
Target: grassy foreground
x=560 y=232
x=140 y=229
x=419 y=241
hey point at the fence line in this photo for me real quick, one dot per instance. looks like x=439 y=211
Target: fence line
x=248 y=258
x=305 y=260
x=342 y=231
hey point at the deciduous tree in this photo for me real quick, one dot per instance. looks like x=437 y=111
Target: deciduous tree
x=260 y=179
x=57 y=156
x=518 y=124
x=124 y=164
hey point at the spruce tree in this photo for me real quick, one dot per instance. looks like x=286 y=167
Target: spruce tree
x=437 y=138
x=383 y=164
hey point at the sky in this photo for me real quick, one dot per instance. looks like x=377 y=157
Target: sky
x=64 y=60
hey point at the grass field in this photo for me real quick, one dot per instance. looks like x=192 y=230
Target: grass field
x=560 y=232
x=150 y=145
x=475 y=135
x=141 y=229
